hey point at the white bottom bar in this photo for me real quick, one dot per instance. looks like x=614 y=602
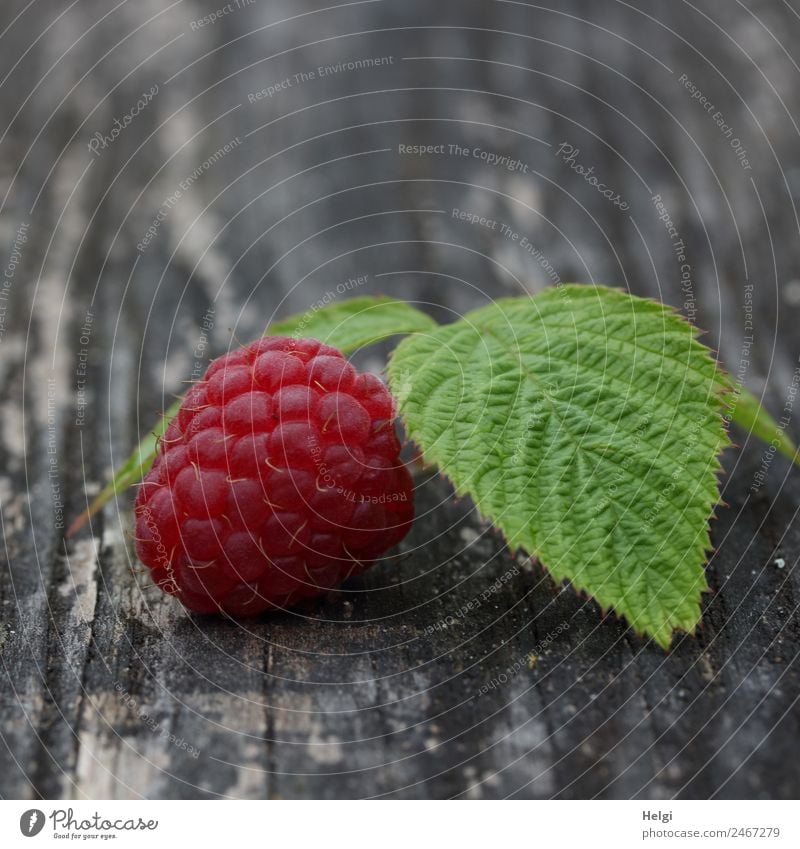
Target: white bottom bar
x=399 y=825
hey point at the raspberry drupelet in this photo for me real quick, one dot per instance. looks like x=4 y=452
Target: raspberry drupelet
x=279 y=478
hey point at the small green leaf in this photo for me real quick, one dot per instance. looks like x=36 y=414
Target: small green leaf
x=346 y=325
x=745 y=410
x=353 y=324
x=586 y=425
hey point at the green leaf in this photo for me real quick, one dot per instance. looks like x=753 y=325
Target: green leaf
x=346 y=325
x=353 y=324
x=745 y=410
x=586 y=425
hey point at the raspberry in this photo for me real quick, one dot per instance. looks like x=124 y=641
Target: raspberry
x=279 y=478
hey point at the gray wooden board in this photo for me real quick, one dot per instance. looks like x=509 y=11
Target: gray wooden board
x=388 y=688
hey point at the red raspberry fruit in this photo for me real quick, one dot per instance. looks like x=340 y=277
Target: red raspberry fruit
x=279 y=478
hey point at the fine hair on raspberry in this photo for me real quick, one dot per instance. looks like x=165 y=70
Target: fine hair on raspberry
x=279 y=478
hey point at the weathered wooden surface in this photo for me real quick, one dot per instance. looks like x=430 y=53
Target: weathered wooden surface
x=367 y=695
